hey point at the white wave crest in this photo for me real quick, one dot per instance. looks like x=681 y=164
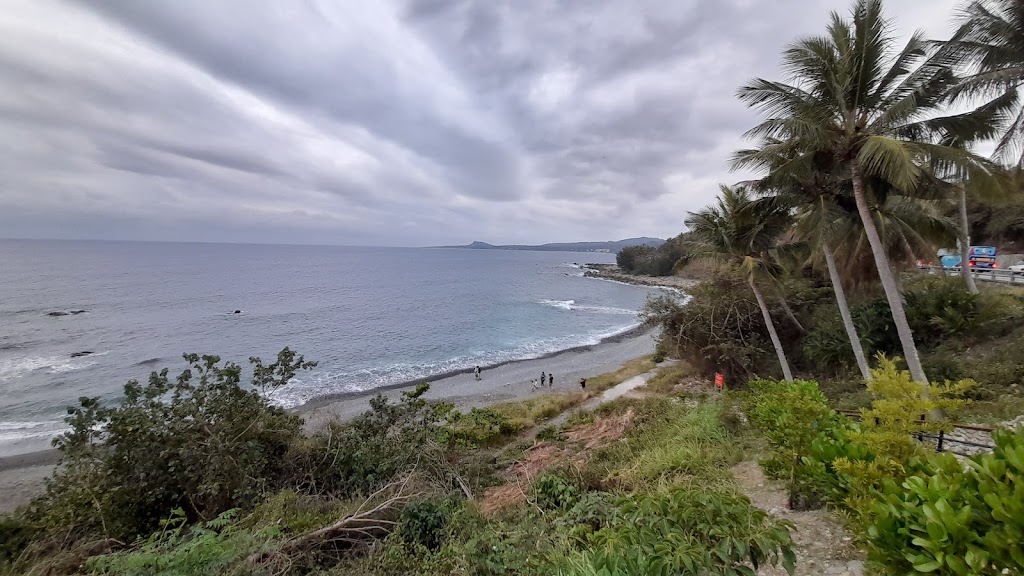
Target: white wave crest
x=12 y=368
x=302 y=389
x=572 y=306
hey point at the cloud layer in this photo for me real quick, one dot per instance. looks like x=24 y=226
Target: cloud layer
x=390 y=122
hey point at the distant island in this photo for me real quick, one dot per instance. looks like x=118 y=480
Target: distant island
x=613 y=246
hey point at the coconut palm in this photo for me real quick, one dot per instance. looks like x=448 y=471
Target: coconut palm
x=808 y=188
x=740 y=230
x=989 y=47
x=870 y=110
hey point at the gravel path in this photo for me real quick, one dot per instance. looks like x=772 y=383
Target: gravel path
x=822 y=545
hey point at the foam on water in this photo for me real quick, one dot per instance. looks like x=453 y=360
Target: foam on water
x=572 y=306
x=301 y=389
x=11 y=368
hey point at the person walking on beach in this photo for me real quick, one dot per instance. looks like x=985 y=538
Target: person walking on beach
x=476 y=372
x=543 y=378
x=551 y=380
x=533 y=385
x=583 y=383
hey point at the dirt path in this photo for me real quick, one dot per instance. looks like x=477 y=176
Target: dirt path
x=621 y=389
x=823 y=545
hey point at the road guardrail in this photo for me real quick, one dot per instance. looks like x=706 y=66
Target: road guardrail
x=984 y=274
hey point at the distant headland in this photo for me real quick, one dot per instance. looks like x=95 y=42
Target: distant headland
x=613 y=246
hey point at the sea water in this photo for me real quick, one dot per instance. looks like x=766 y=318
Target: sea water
x=371 y=317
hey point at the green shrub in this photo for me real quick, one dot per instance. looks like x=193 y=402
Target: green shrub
x=357 y=457
x=479 y=427
x=426 y=523
x=790 y=415
x=950 y=519
x=686 y=532
x=202 y=443
x=16 y=532
x=210 y=548
x=553 y=491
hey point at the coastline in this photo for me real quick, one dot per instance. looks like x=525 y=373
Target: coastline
x=326 y=399
x=498 y=383
x=23 y=476
x=613 y=273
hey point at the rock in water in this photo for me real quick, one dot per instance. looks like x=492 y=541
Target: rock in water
x=238 y=311
x=80 y=354
x=56 y=313
x=78 y=311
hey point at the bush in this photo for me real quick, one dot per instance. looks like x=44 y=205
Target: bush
x=651 y=261
x=553 y=491
x=686 y=532
x=425 y=523
x=202 y=443
x=355 y=458
x=790 y=415
x=479 y=427
x=951 y=519
x=719 y=329
x=208 y=549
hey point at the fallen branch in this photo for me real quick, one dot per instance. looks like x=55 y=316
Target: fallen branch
x=361 y=527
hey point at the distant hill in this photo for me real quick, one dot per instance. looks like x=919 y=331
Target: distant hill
x=610 y=246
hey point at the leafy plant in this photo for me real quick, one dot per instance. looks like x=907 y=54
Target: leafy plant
x=687 y=532
x=553 y=491
x=357 y=457
x=203 y=443
x=951 y=519
x=208 y=548
x=790 y=415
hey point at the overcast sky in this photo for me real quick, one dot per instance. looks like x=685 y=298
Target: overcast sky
x=382 y=122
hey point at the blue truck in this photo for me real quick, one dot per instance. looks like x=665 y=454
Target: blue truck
x=979 y=257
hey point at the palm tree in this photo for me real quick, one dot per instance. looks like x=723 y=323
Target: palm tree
x=870 y=110
x=742 y=231
x=807 y=188
x=989 y=46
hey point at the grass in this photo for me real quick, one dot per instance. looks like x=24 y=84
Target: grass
x=525 y=414
x=672 y=443
x=668 y=376
x=528 y=413
x=631 y=368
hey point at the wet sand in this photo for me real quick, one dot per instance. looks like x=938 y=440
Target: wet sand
x=23 y=476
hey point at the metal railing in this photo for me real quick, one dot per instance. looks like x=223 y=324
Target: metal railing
x=941 y=441
x=984 y=274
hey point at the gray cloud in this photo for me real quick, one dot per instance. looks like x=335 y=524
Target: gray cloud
x=396 y=122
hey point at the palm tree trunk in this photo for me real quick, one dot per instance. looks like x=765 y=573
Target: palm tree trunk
x=965 y=244
x=892 y=293
x=771 y=331
x=844 y=311
x=790 y=315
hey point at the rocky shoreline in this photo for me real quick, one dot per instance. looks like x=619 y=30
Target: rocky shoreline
x=614 y=273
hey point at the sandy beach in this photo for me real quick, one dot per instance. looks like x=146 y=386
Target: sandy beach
x=505 y=382
x=22 y=477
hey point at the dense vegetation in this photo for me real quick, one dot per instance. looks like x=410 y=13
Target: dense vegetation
x=916 y=511
x=860 y=171
x=960 y=334
x=201 y=475
x=653 y=261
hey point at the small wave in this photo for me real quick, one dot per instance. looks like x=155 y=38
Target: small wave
x=304 y=388
x=563 y=304
x=572 y=306
x=17 y=367
x=607 y=310
x=16 y=432
x=148 y=362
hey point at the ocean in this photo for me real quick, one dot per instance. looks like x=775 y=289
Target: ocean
x=371 y=317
